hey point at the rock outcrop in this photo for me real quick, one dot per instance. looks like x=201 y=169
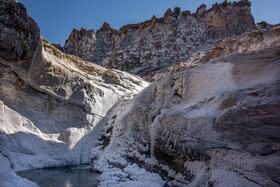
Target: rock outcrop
x=215 y=124
x=158 y=43
x=246 y=42
x=265 y=25
x=19 y=35
x=50 y=101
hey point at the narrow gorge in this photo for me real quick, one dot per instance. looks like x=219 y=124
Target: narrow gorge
x=189 y=99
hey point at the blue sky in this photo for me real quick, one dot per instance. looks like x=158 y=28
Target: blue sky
x=57 y=18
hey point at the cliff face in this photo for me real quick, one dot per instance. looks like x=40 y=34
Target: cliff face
x=217 y=123
x=19 y=35
x=49 y=101
x=246 y=42
x=157 y=43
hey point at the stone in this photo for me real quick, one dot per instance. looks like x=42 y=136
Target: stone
x=211 y=120
x=243 y=43
x=50 y=101
x=155 y=44
x=220 y=118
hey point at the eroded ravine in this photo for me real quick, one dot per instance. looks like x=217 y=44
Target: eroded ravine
x=211 y=122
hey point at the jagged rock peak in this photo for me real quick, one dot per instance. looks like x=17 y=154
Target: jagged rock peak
x=82 y=33
x=201 y=10
x=177 y=10
x=226 y=3
x=168 y=13
x=154 y=19
x=78 y=39
x=242 y=3
x=161 y=42
x=106 y=27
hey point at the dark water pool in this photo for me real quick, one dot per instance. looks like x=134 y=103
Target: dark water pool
x=65 y=177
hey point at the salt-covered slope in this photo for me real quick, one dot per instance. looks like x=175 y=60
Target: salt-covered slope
x=50 y=102
x=215 y=124
x=161 y=42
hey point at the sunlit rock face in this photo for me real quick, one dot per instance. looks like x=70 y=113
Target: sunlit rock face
x=50 y=101
x=212 y=120
x=217 y=123
x=157 y=43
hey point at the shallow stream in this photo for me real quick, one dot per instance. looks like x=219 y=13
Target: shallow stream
x=62 y=177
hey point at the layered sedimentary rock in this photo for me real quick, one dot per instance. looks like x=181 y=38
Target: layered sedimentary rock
x=50 y=101
x=157 y=43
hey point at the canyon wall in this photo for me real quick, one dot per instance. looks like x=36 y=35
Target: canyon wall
x=50 y=101
x=211 y=125
x=215 y=124
x=158 y=43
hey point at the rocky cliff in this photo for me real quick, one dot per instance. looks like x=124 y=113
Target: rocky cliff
x=246 y=42
x=49 y=101
x=212 y=120
x=215 y=124
x=158 y=43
